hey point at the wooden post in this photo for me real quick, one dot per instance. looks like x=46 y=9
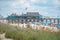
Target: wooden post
x=58 y=21
x=8 y=21
x=50 y=20
x=46 y=20
x=42 y=20
x=18 y=21
x=12 y=21
x=54 y=20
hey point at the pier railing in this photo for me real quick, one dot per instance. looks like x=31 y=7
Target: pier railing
x=54 y=20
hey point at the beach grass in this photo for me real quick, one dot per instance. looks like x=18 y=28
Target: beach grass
x=0 y=38
x=17 y=33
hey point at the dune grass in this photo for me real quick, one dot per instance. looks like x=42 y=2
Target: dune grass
x=27 y=34
x=0 y=38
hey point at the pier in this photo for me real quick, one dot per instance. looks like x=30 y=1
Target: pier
x=31 y=17
x=54 y=20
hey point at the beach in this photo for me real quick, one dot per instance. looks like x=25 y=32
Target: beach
x=37 y=26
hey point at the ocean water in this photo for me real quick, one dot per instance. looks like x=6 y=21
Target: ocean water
x=48 y=23
x=58 y=25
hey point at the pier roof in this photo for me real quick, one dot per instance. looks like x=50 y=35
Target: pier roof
x=27 y=15
x=31 y=14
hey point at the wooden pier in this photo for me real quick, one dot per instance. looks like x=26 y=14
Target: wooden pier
x=54 y=20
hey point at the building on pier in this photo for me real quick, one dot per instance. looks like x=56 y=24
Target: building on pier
x=31 y=17
x=25 y=18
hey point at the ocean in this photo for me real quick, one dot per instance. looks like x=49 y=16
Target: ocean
x=48 y=23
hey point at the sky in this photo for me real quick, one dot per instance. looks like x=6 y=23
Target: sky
x=49 y=8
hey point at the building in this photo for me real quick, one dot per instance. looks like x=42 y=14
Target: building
x=1 y=18
x=31 y=17
x=25 y=18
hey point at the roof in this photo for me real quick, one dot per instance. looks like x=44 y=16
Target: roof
x=31 y=14
x=27 y=15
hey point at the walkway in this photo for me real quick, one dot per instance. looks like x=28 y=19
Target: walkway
x=2 y=36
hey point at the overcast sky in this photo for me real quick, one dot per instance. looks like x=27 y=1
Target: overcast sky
x=49 y=8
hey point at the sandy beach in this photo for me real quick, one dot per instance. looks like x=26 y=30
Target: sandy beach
x=36 y=26
x=2 y=36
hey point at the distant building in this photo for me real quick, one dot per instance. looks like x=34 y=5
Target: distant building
x=1 y=18
x=25 y=18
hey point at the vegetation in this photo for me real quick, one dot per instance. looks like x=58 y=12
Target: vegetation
x=0 y=38
x=28 y=34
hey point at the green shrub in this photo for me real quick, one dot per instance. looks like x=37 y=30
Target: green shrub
x=2 y=28
x=11 y=32
x=28 y=34
x=20 y=36
x=0 y=38
x=57 y=35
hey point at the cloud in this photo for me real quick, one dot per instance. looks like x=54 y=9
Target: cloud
x=56 y=2
x=41 y=1
x=33 y=0
x=21 y=3
x=44 y=7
